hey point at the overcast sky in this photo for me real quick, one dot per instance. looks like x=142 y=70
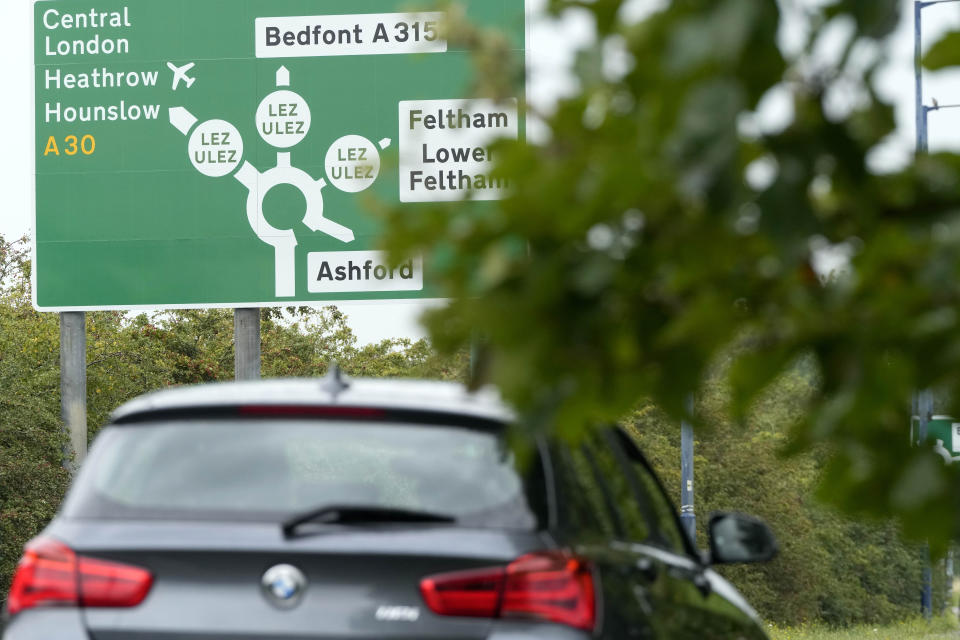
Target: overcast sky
x=551 y=46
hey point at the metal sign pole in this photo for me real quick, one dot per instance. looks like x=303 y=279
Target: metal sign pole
x=688 y=515
x=246 y=344
x=921 y=111
x=925 y=411
x=73 y=387
x=923 y=400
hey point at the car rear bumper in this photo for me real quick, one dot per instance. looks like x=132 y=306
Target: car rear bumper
x=46 y=624
x=528 y=631
x=67 y=624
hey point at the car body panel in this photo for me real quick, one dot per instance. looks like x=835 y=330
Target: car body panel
x=210 y=575
x=524 y=630
x=96 y=537
x=410 y=395
x=702 y=607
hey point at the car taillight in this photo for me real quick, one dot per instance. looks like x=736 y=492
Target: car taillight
x=552 y=586
x=475 y=594
x=50 y=573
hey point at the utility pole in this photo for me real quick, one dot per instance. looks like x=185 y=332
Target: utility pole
x=688 y=516
x=921 y=110
x=246 y=344
x=923 y=403
x=73 y=387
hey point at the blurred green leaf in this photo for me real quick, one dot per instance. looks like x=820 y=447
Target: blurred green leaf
x=665 y=221
x=945 y=52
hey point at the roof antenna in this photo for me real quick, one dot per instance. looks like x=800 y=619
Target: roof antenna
x=335 y=382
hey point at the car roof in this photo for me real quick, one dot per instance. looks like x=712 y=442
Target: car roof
x=333 y=390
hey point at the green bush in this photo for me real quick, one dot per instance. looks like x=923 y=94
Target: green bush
x=831 y=568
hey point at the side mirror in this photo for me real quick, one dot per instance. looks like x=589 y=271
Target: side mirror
x=736 y=538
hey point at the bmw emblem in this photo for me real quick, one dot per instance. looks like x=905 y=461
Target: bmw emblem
x=284 y=585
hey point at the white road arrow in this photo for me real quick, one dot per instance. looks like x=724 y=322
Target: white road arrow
x=182 y=119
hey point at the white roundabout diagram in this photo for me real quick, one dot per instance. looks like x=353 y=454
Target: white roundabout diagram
x=283 y=120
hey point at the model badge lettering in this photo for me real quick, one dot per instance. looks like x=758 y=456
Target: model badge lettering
x=397 y=614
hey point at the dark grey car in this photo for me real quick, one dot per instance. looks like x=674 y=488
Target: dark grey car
x=370 y=509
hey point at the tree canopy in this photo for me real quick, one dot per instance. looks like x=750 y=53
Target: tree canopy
x=662 y=227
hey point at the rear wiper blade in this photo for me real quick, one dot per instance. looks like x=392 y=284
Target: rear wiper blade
x=346 y=514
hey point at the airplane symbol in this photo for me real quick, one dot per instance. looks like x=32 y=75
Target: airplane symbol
x=180 y=73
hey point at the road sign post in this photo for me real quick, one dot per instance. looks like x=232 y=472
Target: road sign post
x=73 y=387
x=688 y=516
x=246 y=344
x=923 y=403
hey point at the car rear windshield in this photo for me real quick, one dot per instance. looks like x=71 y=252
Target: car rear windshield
x=269 y=469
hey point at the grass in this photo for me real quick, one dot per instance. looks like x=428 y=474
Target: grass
x=940 y=628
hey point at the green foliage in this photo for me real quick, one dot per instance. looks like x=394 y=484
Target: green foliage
x=944 y=53
x=940 y=628
x=831 y=569
x=32 y=479
x=662 y=223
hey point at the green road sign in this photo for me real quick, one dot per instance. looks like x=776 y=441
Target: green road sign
x=222 y=153
x=944 y=433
